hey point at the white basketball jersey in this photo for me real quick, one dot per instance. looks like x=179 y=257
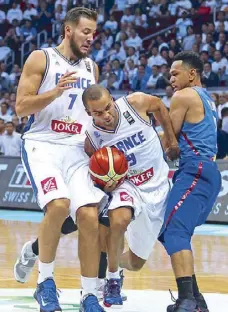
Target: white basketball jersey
x=64 y=120
x=139 y=141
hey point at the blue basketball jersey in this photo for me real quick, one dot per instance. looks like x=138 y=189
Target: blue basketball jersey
x=200 y=139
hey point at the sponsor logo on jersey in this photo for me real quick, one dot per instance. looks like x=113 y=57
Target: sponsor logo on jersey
x=66 y=126
x=49 y=185
x=124 y=196
x=96 y=134
x=128 y=117
x=88 y=67
x=143 y=177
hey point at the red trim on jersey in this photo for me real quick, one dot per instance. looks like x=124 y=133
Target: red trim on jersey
x=190 y=143
x=188 y=192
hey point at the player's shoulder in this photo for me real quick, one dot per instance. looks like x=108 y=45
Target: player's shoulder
x=36 y=60
x=183 y=96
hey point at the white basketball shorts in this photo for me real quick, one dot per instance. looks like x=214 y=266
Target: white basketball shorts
x=59 y=171
x=149 y=209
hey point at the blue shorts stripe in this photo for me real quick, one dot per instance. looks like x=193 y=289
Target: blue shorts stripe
x=25 y=160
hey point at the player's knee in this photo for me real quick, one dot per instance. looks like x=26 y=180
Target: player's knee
x=136 y=263
x=58 y=208
x=87 y=219
x=120 y=224
x=173 y=242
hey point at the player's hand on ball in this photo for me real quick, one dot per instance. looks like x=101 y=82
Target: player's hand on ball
x=173 y=152
x=65 y=83
x=110 y=186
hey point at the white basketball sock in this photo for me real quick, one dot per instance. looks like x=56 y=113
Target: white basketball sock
x=113 y=274
x=89 y=285
x=46 y=270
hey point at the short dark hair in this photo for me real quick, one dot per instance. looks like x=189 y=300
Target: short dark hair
x=2 y=120
x=93 y=93
x=10 y=123
x=74 y=16
x=191 y=59
x=224 y=112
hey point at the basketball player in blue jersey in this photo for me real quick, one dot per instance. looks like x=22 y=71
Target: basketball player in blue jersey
x=197 y=182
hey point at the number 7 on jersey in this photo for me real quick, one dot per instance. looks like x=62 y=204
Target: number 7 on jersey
x=73 y=98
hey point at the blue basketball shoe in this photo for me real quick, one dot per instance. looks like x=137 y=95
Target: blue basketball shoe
x=89 y=303
x=112 y=293
x=47 y=297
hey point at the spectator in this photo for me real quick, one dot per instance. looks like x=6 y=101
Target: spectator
x=98 y=53
x=2 y=17
x=14 y=13
x=161 y=43
x=140 y=79
x=131 y=55
x=209 y=78
x=15 y=74
x=156 y=58
x=134 y=40
x=220 y=62
x=15 y=121
x=63 y=3
x=118 y=72
x=27 y=31
x=144 y=61
x=59 y=17
x=4 y=50
x=30 y=13
x=204 y=56
x=106 y=71
x=119 y=5
x=111 y=24
x=224 y=115
x=183 y=6
x=163 y=80
x=174 y=46
x=118 y=53
x=21 y=126
x=130 y=73
x=106 y=39
x=48 y=44
x=111 y=82
x=2 y=126
x=140 y=19
x=44 y=15
x=215 y=98
x=220 y=44
x=10 y=141
x=209 y=41
x=221 y=18
x=127 y=17
x=151 y=83
x=167 y=98
x=100 y=18
x=189 y=40
x=182 y=24
x=222 y=104
x=4 y=113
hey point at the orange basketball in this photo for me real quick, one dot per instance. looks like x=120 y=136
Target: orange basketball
x=108 y=163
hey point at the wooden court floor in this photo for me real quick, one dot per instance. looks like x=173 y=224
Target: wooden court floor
x=211 y=262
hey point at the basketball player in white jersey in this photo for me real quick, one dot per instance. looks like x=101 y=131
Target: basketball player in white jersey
x=126 y=125
x=50 y=91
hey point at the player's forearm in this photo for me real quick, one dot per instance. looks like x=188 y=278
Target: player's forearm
x=162 y=116
x=31 y=104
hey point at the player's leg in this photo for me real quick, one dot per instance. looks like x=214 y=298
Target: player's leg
x=52 y=194
x=103 y=264
x=84 y=209
x=189 y=204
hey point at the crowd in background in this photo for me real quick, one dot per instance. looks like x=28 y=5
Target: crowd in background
x=127 y=61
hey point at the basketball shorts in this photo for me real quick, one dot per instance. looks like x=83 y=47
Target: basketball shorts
x=59 y=171
x=149 y=209
x=196 y=186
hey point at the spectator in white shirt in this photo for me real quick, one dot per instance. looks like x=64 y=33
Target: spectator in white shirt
x=111 y=82
x=140 y=19
x=189 y=40
x=182 y=24
x=111 y=24
x=2 y=17
x=183 y=6
x=134 y=40
x=48 y=44
x=4 y=50
x=127 y=17
x=106 y=39
x=64 y=4
x=100 y=17
x=118 y=53
x=118 y=71
x=123 y=30
x=10 y=142
x=4 y=113
x=222 y=104
x=131 y=55
x=151 y=83
x=220 y=62
x=167 y=98
x=210 y=4
x=156 y=58
x=221 y=18
x=30 y=12
x=119 y=5
x=14 y=13
x=2 y=126
x=15 y=74
x=131 y=72
x=221 y=42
